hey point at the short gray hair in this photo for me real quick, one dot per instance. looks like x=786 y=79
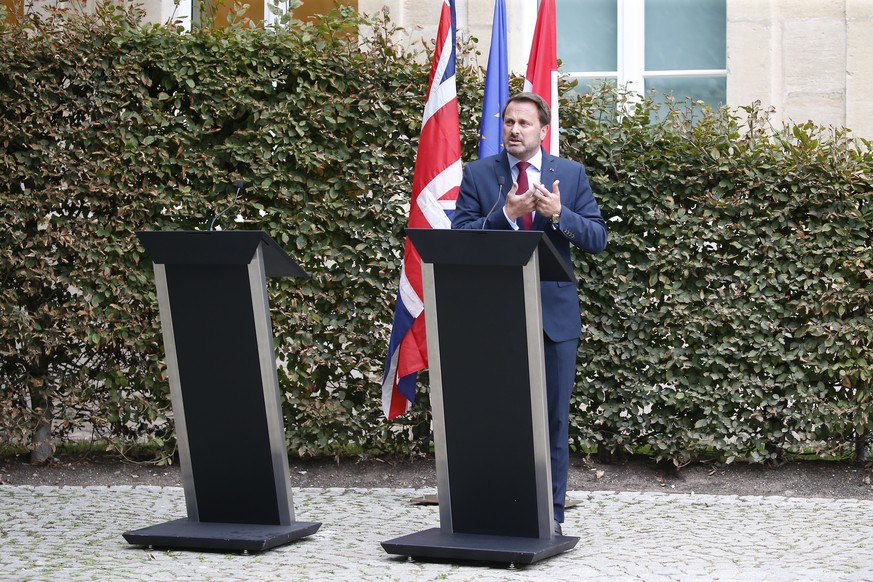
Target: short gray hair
x=544 y=112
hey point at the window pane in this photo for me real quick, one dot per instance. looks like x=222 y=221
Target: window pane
x=685 y=34
x=590 y=84
x=587 y=34
x=710 y=90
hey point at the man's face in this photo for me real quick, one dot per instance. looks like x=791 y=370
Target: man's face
x=522 y=131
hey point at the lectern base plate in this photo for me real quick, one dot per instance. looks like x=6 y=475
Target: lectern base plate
x=433 y=543
x=197 y=535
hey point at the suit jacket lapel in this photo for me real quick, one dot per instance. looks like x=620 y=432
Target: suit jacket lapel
x=548 y=172
x=501 y=169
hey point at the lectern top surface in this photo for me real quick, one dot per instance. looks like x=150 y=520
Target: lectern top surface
x=501 y=248
x=225 y=247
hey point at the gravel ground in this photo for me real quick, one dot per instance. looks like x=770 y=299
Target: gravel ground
x=839 y=480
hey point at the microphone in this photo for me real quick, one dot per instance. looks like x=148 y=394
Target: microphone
x=500 y=181
x=240 y=184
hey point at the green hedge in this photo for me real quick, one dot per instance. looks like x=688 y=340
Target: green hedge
x=111 y=128
x=728 y=317
x=731 y=312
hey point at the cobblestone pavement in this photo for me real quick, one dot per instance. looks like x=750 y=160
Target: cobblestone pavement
x=74 y=533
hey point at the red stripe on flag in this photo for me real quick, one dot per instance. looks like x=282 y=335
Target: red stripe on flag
x=542 y=68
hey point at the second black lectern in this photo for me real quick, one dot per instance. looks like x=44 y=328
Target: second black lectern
x=487 y=376
x=224 y=389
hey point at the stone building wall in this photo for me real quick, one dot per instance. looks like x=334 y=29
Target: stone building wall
x=808 y=59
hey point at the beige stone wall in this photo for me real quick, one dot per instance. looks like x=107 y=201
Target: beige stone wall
x=808 y=59
x=166 y=12
x=420 y=19
x=859 y=67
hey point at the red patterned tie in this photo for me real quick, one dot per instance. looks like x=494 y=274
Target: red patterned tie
x=527 y=219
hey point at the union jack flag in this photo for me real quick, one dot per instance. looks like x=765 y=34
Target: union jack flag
x=435 y=186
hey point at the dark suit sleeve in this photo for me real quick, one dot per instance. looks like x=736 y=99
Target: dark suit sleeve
x=478 y=206
x=581 y=222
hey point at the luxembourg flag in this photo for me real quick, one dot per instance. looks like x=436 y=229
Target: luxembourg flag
x=542 y=68
x=435 y=186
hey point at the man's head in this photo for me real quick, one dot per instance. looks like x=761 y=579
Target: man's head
x=526 y=119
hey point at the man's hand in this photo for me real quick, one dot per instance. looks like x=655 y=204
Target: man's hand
x=547 y=203
x=519 y=204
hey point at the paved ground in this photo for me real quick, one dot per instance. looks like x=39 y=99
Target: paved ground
x=74 y=533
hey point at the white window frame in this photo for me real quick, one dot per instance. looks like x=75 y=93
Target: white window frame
x=631 y=52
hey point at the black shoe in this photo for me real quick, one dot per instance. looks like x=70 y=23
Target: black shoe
x=558 y=531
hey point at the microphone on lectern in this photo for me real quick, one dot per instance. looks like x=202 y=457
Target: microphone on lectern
x=240 y=185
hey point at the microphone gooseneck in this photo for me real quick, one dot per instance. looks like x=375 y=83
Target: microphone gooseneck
x=500 y=182
x=240 y=184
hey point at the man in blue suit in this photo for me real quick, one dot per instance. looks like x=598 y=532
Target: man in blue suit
x=552 y=195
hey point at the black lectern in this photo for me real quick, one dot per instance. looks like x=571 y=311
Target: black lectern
x=218 y=338
x=487 y=376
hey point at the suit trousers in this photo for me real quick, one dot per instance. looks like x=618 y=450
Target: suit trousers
x=560 y=361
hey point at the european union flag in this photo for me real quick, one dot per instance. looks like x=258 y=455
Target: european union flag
x=496 y=86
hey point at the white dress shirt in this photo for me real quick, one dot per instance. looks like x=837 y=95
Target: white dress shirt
x=533 y=175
